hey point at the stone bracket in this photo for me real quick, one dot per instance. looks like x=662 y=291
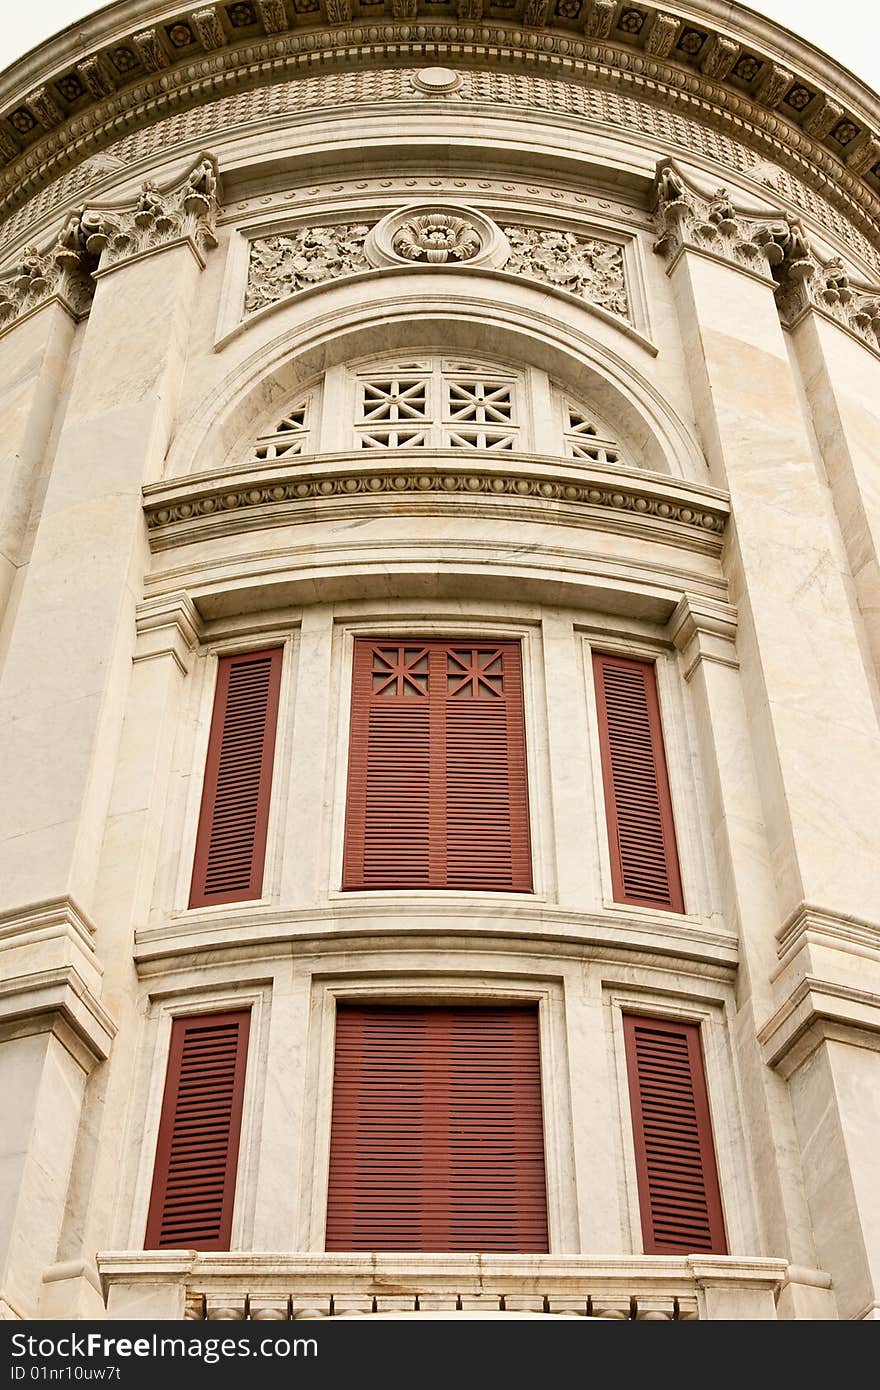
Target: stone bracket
x=703 y=629
x=52 y=979
x=168 y=625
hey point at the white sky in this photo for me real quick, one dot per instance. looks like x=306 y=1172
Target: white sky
x=849 y=31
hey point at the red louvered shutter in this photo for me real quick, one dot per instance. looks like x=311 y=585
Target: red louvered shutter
x=437 y=1132
x=234 y=816
x=437 y=780
x=199 y=1132
x=638 y=806
x=679 y=1196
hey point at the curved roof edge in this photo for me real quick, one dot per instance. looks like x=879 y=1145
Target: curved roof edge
x=132 y=50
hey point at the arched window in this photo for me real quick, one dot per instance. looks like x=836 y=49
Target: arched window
x=431 y=401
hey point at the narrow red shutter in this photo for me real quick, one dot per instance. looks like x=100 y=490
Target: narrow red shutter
x=437 y=1132
x=199 y=1131
x=679 y=1197
x=234 y=817
x=437 y=784
x=638 y=807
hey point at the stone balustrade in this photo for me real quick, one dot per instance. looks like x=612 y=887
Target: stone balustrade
x=271 y=1287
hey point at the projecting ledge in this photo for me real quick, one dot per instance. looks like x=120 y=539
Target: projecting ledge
x=274 y=1287
x=474 y=483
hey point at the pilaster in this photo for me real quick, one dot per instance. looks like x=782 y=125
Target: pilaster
x=64 y=690
x=64 y=684
x=168 y=630
x=42 y=298
x=808 y=698
x=704 y=632
x=835 y=329
x=807 y=719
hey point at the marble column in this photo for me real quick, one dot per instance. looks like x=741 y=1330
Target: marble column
x=840 y=368
x=66 y=678
x=42 y=298
x=806 y=689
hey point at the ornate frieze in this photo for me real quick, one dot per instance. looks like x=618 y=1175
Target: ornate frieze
x=282 y=265
x=591 y=269
x=661 y=504
x=62 y=272
x=185 y=213
x=827 y=197
x=442 y=235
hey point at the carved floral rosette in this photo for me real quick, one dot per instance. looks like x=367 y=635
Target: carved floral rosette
x=434 y=234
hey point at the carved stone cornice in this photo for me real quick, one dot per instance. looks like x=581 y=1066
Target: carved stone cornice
x=826 y=286
x=187 y=213
x=193 y=508
x=62 y=272
x=104 y=85
x=688 y=219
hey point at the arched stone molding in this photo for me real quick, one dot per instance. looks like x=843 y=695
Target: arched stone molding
x=587 y=351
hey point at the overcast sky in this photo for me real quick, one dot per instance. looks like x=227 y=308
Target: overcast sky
x=849 y=30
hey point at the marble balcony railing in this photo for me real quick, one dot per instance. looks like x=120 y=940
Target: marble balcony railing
x=274 y=1287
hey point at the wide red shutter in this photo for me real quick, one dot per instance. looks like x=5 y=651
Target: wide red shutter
x=638 y=807
x=234 y=816
x=437 y=781
x=679 y=1197
x=199 y=1131
x=437 y=1135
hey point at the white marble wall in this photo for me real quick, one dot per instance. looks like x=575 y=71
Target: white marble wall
x=771 y=732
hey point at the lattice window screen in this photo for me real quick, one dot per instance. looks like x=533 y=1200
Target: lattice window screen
x=289 y=435
x=444 y=404
x=582 y=439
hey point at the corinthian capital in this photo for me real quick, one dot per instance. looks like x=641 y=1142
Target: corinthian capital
x=686 y=217
x=829 y=287
x=185 y=212
x=62 y=272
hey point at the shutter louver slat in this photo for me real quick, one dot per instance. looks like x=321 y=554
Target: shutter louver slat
x=638 y=806
x=437 y=1131
x=679 y=1197
x=199 y=1131
x=437 y=785
x=234 y=815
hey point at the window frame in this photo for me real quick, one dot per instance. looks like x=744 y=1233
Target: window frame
x=423 y=990
x=467 y=630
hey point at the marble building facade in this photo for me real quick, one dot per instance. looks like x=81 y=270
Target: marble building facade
x=553 y=324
